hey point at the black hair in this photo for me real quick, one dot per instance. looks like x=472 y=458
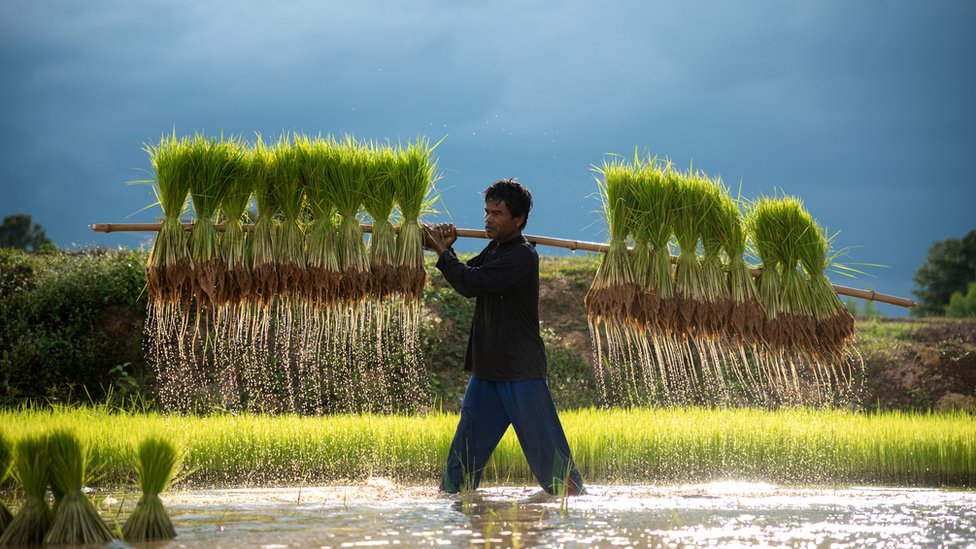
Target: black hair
x=516 y=197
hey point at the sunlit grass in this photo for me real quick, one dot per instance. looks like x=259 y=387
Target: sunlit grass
x=795 y=446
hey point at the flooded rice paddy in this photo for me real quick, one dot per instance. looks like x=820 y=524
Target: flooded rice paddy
x=379 y=513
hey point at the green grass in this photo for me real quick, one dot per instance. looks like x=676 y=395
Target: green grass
x=800 y=446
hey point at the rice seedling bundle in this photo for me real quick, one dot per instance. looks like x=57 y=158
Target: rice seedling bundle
x=6 y=457
x=169 y=266
x=379 y=199
x=691 y=206
x=415 y=174
x=654 y=194
x=344 y=187
x=778 y=227
x=835 y=324
x=289 y=190
x=321 y=252
x=157 y=462
x=614 y=293
x=31 y=463
x=235 y=253
x=213 y=164
x=715 y=229
x=746 y=316
x=76 y=521
x=264 y=278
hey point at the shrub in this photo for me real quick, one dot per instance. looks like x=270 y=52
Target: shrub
x=69 y=319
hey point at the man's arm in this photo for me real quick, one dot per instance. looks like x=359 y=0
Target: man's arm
x=494 y=277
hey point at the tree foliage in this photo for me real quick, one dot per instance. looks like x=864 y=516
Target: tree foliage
x=949 y=268
x=19 y=231
x=963 y=305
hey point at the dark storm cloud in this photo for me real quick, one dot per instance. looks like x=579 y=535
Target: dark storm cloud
x=864 y=109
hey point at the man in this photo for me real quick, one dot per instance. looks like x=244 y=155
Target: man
x=505 y=355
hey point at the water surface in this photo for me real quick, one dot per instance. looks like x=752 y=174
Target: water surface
x=379 y=513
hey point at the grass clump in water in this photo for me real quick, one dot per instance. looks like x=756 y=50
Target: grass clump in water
x=76 y=521
x=157 y=462
x=31 y=464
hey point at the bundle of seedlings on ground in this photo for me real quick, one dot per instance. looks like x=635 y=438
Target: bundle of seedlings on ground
x=415 y=174
x=169 y=267
x=344 y=187
x=31 y=523
x=6 y=457
x=321 y=254
x=213 y=165
x=379 y=199
x=157 y=462
x=264 y=279
x=76 y=521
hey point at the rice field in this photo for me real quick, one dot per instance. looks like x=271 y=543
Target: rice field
x=619 y=446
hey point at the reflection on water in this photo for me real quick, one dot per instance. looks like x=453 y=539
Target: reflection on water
x=382 y=514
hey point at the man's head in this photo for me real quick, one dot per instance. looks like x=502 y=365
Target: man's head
x=507 y=205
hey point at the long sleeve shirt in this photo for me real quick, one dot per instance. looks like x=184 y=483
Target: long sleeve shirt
x=504 y=344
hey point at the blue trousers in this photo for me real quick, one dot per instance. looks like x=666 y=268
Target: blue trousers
x=486 y=412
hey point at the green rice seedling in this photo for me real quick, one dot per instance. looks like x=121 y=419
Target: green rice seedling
x=613 y=300
x=169 y=267
x=835 y=324
x=31 y=464
x=778 y=227
x=415 y=174
x=289 y=190
x=158 y=461
x=653 y=223
x=234 y=251
x=613 y=295
x=746 y=316
x=6 y=457
x=264 y=278
x=762 y=231
x=214 y=164
x=379 y=199
x=76 y=521
x=344 y=187
x=715 y=229
x=691 y=208
x=684 y=444
x=321 y=253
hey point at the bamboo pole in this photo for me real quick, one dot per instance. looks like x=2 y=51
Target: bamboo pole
x=574 y=245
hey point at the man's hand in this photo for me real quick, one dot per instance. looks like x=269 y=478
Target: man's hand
x=440 y=237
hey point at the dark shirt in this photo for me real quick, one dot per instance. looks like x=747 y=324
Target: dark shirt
x=504 y=344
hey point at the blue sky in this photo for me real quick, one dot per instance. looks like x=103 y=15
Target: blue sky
x=866 y=110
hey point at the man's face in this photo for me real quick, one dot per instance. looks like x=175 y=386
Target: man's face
x=499 y=223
